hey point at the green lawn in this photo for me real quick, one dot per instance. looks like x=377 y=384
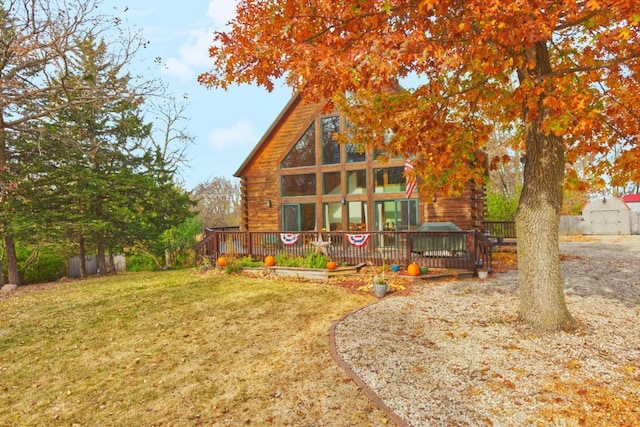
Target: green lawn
x=176 y=348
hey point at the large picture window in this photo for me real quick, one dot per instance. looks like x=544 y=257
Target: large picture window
x=301 y=217
x=331 y=183
x=304 y=152
x=389 y=180
x=357 y=216
x=332 y=216
x=330 y=148
x=357 y=182
x=298 y=185
x=353 y=154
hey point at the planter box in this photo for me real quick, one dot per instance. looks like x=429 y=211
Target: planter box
x=314 y=273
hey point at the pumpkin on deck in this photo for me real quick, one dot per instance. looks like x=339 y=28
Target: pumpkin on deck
x=413 y=269
x=222 y=261
x=331 y=265
x=269 y=261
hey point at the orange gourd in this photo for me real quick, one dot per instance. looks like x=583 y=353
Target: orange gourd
x=222 y=261
x=269 y=261
x=413 y=269
x=331 y=265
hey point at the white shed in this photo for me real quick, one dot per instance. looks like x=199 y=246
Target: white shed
x=632 y=201
x=608 y=215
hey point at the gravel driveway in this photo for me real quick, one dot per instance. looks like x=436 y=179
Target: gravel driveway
x=608 y=266
x=453 y=354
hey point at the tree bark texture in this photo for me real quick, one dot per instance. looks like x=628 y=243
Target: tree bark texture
x=112 y=262
x=13 y=273
x=542 y=302
x=83 y=259
x=102 y=261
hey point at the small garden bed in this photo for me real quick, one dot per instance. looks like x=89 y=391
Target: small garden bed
x=313 y=267
x=314 y=273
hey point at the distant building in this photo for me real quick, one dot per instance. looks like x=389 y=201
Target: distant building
x=632 y=201
x=606 y=215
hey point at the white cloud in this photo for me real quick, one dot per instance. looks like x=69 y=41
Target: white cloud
x=240 y=134
x=175 y=68
x=221 y=12
x=194 y=52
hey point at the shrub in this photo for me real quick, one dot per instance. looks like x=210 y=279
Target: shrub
x=233 y=267
x=138 y=261
x=316 y=260
x=248 y=261
x=286 y=260
x=310 y=261
x=51 y=265
x=501 y=207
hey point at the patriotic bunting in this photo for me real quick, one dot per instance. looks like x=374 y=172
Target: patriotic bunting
x=357 y=240
x=289 y=238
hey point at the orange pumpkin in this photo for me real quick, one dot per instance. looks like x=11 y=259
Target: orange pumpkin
x=331 y=265
x=269 y=261
x=222 y=261
x=413 y=269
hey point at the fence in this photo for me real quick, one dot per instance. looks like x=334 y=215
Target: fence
x=571 y=225
x=465 y=250
x=91 y=264
x=500 y=232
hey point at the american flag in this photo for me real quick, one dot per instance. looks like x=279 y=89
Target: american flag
x=410 y=177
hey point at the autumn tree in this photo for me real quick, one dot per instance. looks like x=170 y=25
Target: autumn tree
x=218 y=202
x=563 y=76
x=169 y=137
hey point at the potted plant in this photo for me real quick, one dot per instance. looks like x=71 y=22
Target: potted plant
x=482 y=274
x=380 y=285
x=395 y=267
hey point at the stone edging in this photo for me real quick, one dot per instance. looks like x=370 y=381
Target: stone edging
x=350 y=372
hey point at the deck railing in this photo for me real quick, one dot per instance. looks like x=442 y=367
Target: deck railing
x=500 y=232
x=466 y=250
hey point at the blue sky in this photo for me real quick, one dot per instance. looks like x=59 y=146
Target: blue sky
x=225 y=125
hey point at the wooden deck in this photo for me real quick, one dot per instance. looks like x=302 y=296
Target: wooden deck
x=462 y=250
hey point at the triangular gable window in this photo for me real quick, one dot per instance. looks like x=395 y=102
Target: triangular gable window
x=304 y=152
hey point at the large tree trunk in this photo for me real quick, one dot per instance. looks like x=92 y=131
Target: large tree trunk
x=542 y=302
x=13 y=273
x=112 y=262
x=82 y=256
x=2 y=282
x=102 y=262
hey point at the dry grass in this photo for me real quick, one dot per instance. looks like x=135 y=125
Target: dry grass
x=177 y=348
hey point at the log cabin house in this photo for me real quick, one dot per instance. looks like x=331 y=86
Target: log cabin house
x=297 y=178
x=301 y=189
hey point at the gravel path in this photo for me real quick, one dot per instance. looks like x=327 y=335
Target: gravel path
x=608 y=266
x=454 y=354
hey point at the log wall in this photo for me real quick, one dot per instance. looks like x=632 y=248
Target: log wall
x=261 y=180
